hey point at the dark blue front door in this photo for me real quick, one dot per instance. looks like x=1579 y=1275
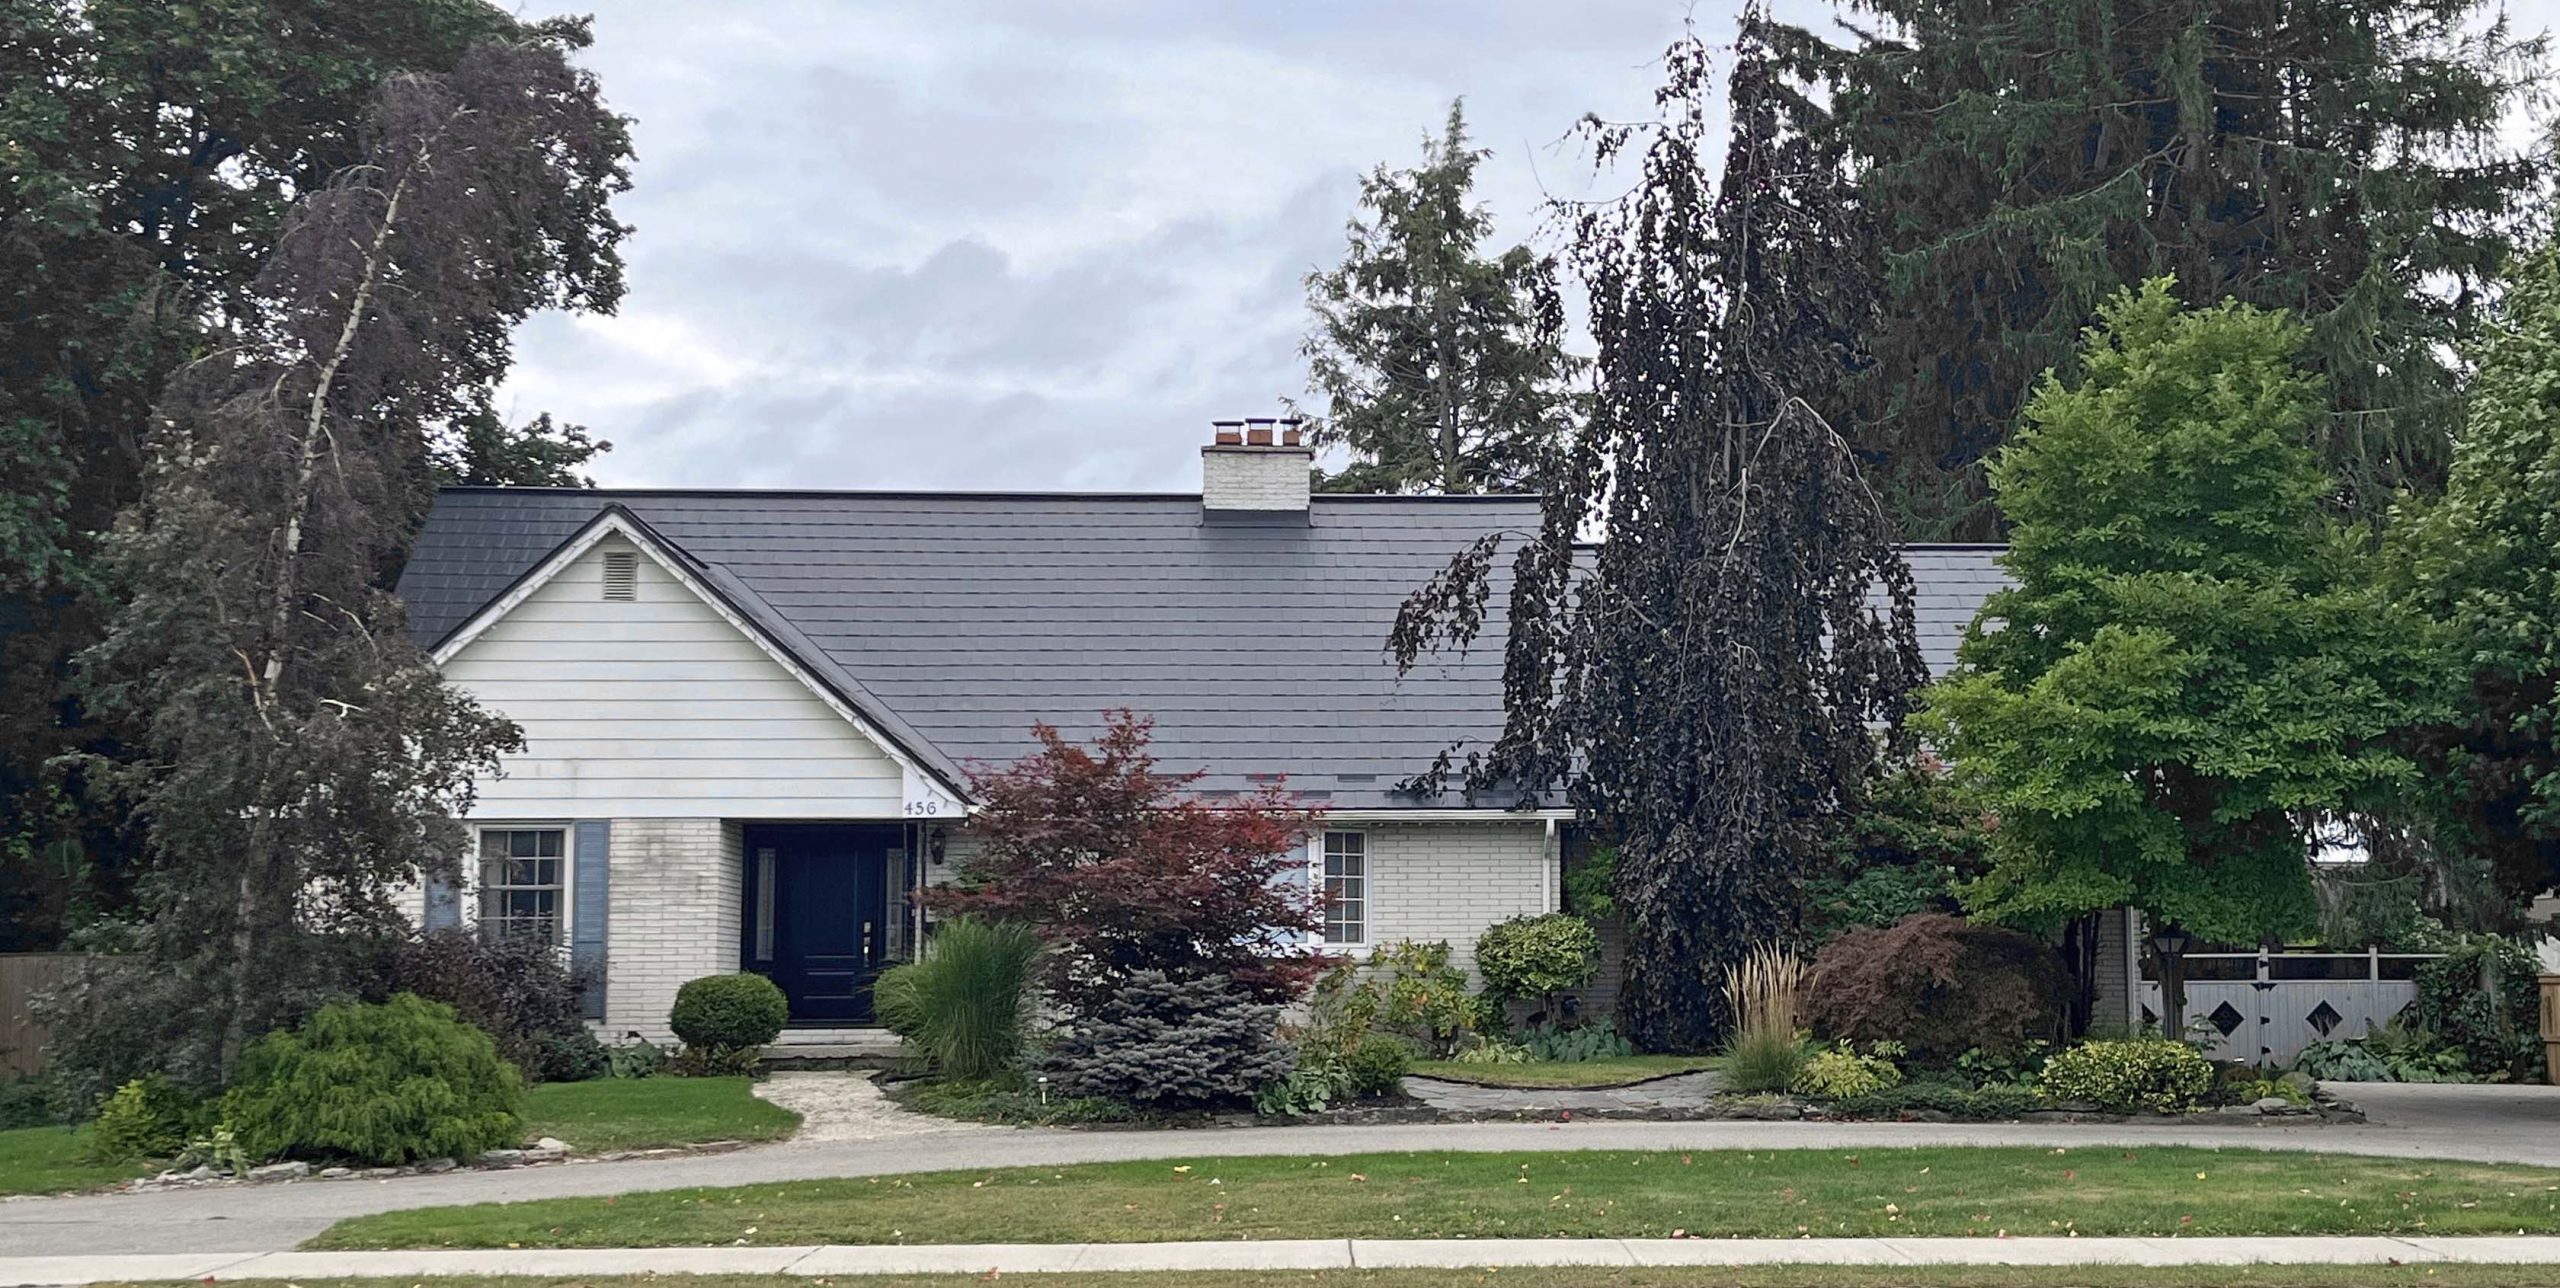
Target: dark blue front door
x=818 y=915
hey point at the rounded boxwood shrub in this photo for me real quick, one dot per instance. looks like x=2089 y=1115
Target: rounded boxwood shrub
x=387 y=1082
x=1527 y=958
x=1939 y=985
x=728 y=1012
x=2126 y=1074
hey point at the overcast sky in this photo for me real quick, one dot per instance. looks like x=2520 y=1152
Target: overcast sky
x=964 y=244
x=1023 y=245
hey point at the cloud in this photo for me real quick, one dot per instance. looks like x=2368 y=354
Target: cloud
x=974 y=245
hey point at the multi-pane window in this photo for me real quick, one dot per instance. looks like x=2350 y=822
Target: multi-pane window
x=521 y=875
x=1346 y=887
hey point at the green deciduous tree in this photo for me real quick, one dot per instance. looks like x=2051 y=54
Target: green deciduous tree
x=2485 y=563
x=150 y=154
x=1441 y=367
x=1703 y=684
x=2191 y=671
x=2026 y=159
x=295 y=758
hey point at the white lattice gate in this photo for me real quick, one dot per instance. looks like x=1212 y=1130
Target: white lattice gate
x=2266 y=1007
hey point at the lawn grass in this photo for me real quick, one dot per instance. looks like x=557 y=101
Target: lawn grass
x=1616 y=1072
x=2410 y=1276
x=47 y=1160
x=650 y=1113
x=1901 y=1192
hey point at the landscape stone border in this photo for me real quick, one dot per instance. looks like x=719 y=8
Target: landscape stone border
x=546 y=1152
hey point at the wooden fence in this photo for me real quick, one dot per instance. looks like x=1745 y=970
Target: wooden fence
x=24 y=976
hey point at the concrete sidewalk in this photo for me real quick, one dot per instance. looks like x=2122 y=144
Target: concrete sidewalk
x=1280 y=1254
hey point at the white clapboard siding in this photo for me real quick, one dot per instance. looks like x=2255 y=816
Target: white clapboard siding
x=658 y=708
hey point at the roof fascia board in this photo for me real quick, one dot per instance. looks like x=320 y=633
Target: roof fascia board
x=614 y=520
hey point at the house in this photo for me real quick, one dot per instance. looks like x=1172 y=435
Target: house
x=750 y=717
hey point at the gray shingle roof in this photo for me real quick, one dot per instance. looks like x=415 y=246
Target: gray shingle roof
x=1256 y=645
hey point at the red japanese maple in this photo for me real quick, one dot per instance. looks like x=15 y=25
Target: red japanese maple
x=1124 y=870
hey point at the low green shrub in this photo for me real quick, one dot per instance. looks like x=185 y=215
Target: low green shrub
x=1165 y=1045
x=637 y=1058
x=721 y=1014
x=2128 y=1074
x=1844 y=1071
x=965 y=1006
x=1377 y=1066
x=1407 y=989
x=1968 y=1104
x=145 y=1118
x=388 y=1082
x=27 y=1101
x=1494 y=1051
x=1533 y=959
x=1598 y=1040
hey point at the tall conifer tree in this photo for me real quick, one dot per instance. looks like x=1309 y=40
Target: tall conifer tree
x=1441 y=367
x=2026 y=159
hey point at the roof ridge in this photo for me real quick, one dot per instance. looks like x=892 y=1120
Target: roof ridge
x=973 y=494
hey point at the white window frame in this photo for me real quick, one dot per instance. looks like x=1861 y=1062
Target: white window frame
x=471 y=907
x=1318 y=856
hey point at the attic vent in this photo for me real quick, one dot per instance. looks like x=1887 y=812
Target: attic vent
x=622 y=575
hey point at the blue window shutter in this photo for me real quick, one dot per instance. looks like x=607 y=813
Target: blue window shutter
x=444 y=905
x=587 y=917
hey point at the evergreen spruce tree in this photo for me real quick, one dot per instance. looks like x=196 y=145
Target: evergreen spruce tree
x=2026 y=159
x=1702 y=687
x=1441 y=368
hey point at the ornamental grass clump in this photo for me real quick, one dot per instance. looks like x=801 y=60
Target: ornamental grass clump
x=2125 y=1075
x=965 y=1005
x=1764 y=1053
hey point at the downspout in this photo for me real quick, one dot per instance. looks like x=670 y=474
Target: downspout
x=1550 y=862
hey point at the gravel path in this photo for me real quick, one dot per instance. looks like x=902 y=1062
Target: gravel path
x=849 y=1106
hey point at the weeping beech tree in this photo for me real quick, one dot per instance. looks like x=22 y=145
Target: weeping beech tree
x=1703 y=684
x=296 y=759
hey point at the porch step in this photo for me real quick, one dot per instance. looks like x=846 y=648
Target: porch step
x=833 y=1049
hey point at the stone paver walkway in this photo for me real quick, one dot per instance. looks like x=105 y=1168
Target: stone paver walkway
x=837 y=1106
x=1278 y=1254
x=1680 y=1092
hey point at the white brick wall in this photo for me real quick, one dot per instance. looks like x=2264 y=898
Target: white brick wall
x=1448 y=881
x=1428 y=880
x=677 y=886
x=1256 y=478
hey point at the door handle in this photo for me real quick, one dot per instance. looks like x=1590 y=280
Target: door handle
x=866 y=940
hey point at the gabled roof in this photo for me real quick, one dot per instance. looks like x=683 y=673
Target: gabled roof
x=960 y=618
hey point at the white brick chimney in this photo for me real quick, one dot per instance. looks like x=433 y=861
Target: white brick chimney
x=1256 y=467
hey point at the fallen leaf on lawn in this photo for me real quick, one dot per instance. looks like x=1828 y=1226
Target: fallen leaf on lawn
x=1182 y=1167
x=1358 y=1177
